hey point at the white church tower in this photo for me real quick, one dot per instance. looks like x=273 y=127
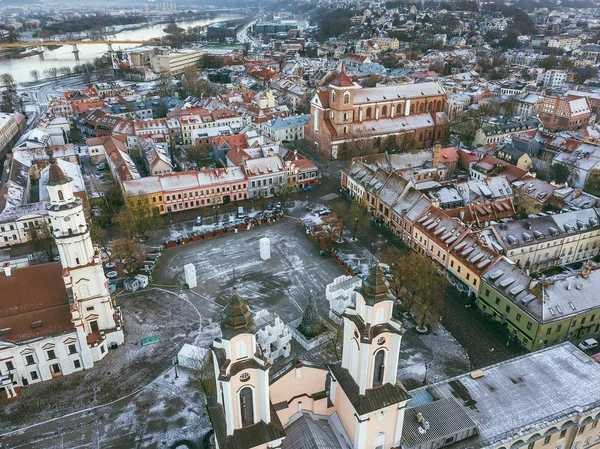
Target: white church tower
x=367 y=375
x=242 y=415
x=92 y=308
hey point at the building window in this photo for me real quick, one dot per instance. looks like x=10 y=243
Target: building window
x=368 y=113
x=10 y=366
x=34 y=375
x=384 y=111
x=547 y=439
x=72 y=349
x=528 y=326
x=60 y=196
x=51 y=354
x=379 y=368
x=518 y=317
x=507 y=309
x=563 y=433
x=346 y=98
x=77 y=364
x=246 y=406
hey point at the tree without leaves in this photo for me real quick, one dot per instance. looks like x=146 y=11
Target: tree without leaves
x=35 y=75
x=51 y=72
x=8 y=81
x=285 y=192
x=86 y=78
x=196 y=155
x=333 y=345
x=100 y=235
x=359 y=145
x=137 y=217
x=64 y=71
x=203 y=374
x=592 y=183
x=562 y=173
x=42 y=239
x=359 y=218
x=164 y=84
x=129 y=253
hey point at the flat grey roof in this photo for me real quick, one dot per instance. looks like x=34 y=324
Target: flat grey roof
x=529 y=392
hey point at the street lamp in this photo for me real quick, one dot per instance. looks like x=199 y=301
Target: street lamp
x=355 y=228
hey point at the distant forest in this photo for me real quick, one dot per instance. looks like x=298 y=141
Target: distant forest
x=95 y=23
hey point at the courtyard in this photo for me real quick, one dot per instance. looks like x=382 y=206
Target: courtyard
x=132 y=398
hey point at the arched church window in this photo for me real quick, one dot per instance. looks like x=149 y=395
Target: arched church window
x=368 y=112
x=399 y=109
x=333 y=96
x=384 y=111
x=379 y=368
x=246 y=406
x=346 y=98
x=345 y=116
x=60 y=195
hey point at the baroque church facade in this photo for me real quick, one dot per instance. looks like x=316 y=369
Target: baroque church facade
x=407 y=116
x=57 y=318
x=358 y=401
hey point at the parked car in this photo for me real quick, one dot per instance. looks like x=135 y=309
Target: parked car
x=101 y=166
x=588 y=344
x=308 y=188
x=198 y=221
x=240 y=213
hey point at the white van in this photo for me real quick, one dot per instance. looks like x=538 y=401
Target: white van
x=241 y=214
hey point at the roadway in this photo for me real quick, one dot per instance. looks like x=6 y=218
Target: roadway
x=45 y=91
x=244 y=37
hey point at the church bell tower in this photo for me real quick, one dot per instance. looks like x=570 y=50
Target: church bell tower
x=92 y=309
x=242 y=405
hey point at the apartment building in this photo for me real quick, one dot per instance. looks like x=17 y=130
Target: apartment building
x=435 y=234
x=11 y=125
x=175 y=62
x=542 y=242
x=564 y=114
x=539 y=313
x=191 y=189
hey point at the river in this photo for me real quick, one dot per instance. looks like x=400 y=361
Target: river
x=63 y=56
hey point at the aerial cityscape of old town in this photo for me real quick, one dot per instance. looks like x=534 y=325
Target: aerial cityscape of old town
x=309 y=224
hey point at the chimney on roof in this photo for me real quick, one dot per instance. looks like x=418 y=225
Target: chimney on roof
x=7 y=269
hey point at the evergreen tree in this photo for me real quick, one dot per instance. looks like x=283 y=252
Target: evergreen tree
x=311 y=320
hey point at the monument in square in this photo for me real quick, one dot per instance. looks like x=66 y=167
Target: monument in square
x=265 y=248
x=190 y=275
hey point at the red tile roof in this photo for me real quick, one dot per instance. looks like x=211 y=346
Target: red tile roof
x=43 y=302
x=342 y=80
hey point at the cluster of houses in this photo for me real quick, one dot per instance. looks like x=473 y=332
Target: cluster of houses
x=490 y=236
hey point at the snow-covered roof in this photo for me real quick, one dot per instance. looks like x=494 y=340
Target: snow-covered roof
x=70 y=169
x=409 y=91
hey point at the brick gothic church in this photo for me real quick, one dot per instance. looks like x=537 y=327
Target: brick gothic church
x=413 y=115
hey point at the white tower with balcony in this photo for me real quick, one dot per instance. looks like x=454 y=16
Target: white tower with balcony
x=92 y=308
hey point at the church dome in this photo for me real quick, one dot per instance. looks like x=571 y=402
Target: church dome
x=237 y=317
x=375 y=287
